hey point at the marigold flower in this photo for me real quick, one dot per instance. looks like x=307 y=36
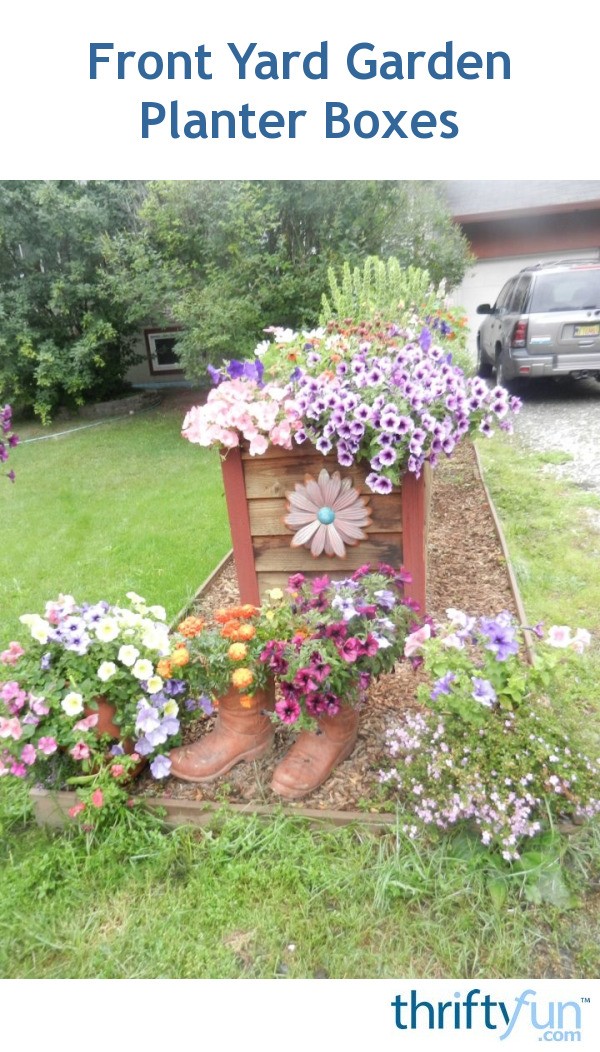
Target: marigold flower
x=180 y=657
x=164 y=668
x=242 y=678
x=237 y=651
x=246 y=701
x=191 y=627
x=230 y=629
x=245 y=633
x=247 y=610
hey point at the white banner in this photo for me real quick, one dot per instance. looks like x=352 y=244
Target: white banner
x=120 y=89
x=271 y=1015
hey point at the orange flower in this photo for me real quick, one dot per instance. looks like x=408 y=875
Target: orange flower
x=242 y=678
x=190 y=627
x=246 y=701
x=247 y=610
x=224 y=614
x=180 y=657
x=245 y=633
x=163 y=668
x=229 y=629
x=237 y=652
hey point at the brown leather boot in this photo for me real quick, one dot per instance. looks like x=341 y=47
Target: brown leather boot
x=313 y=756
x=239 y=734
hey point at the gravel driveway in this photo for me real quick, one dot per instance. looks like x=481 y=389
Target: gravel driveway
x=564 y=417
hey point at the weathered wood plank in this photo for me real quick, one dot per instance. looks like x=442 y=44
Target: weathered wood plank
x=267 y=515
x=274 y=553
x=275 y=477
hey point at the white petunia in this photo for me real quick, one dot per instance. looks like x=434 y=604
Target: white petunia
x=40 y=631
x=156 y=637
x=106 y=671
x=135 y=598
x=158 y=612
x=170 y=708
x=128 y=618
x=72 y=704
x=107 y=629
x=154 y=684
x=143 y=669
x=128 y=655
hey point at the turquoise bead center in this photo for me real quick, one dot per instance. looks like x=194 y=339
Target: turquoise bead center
x=326 y=516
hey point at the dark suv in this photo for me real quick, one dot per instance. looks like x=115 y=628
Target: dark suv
x=545 y=322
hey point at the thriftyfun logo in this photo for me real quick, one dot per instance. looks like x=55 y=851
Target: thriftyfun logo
x=555 y=1020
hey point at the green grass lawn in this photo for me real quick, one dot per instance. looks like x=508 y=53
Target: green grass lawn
x=263 y=899
x=127 y=505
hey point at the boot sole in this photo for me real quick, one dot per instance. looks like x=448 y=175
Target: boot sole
x=298 y=794
x=252 y=754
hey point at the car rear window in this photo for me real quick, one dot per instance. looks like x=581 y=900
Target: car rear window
x=570 y=290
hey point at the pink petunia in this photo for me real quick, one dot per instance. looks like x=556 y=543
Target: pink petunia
x=416 y=640
x=47 y=746
x=19 y=770
x=559 y=636
x=38 y=705
x=10 y=728
x=28 y=754
x=12 y=655
x=80 y=751
x=97 y=798
x=88 y=723
x=10 y=690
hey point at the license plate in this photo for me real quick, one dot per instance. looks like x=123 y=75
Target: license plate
x=587 y=330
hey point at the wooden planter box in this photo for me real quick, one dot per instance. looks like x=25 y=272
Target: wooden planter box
x=255 y=489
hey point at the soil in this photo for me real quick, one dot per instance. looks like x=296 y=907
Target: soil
x=466 y=569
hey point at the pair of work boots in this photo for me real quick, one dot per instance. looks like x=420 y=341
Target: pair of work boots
x=247 y=734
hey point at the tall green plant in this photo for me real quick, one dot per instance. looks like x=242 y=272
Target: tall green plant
x=379 y=289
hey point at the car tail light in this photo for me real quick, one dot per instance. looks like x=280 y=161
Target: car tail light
x=519 y=336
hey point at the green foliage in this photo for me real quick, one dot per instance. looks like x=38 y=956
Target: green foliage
x=224 y=259
x=380 y=288
x=64 y=336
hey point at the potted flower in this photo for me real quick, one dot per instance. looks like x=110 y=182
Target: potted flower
x=89 y=693
x=222 y=669
x=322 y=642
x=487 y=748
x=377 y=403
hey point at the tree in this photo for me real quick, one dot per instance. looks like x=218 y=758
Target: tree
x=64 y=333
x=225 y=259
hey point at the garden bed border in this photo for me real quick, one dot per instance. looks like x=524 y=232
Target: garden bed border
x=51 y=807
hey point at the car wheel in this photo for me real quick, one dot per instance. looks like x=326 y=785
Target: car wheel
x=484 y=369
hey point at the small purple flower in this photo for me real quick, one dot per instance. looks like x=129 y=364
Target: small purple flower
x=483 y=691
x=442 y=685
x=160 y=766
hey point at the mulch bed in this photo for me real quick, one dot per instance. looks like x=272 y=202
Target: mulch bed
x=467 y=570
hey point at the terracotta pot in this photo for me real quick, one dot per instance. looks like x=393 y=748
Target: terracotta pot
x=106 y=725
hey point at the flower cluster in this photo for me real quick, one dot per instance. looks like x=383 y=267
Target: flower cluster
x=391 y=398
x=8 y=439
x=221 y=656
x=487 y=747
x=80 y=659
x=331 y=638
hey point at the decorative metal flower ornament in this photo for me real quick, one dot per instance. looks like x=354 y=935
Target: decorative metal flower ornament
x=327 y=514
